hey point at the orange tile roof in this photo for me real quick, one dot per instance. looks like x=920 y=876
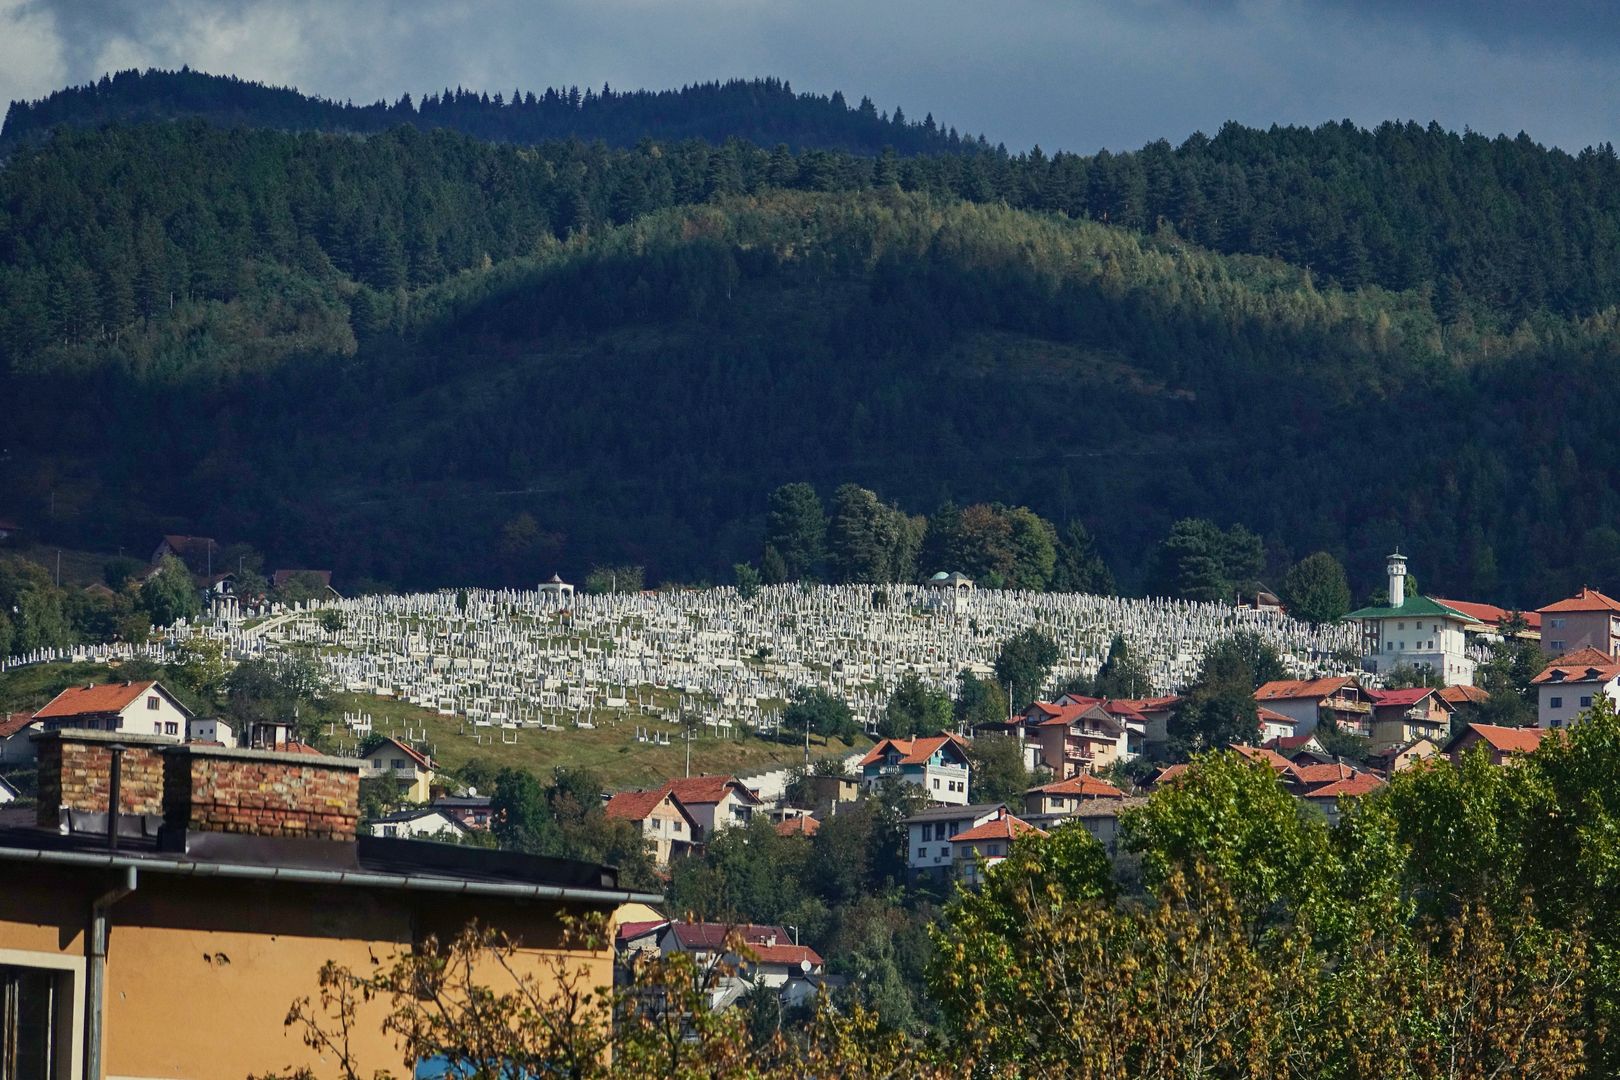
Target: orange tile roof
x=415 y=755
x=634 y=805
x=12 y=723
x=1291 y=689
x=1359 y=784
x=1005 y=827
x=1316 y=775
x=1264 y=757
x=1510 y=740
x=1581 y=666
x=1407 y=696
x=93 y=700
x=791 y=955
x=1169 y=773
x=914 y=751
x=704 y=790
x=1084 y=785
x=1463 y=695
x=1150 y=704
x=799 y=826
x=1272 y=716
x=1585 y=600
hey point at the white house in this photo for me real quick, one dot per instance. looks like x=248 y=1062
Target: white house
x=16 y=748
x=714 y=803
x=929 y=835
x=139 y=708
x=420 y=824
x=210 y=729
x=1415 y=631
x=1569 y=685
x=760 y=955
x=936 y=763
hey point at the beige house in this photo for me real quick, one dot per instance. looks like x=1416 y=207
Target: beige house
x=1570 y=685
x=1064 y=797
x=1502 y=744
x=669 y=829
x=988 y=843
x=178 y=952
x=1587 y=620
x=715 y=803
x=1401 y=717
x=1310 y=702
x=410 y=767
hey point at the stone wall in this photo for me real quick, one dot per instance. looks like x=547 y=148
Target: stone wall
x=260 y=793
x=75 y=773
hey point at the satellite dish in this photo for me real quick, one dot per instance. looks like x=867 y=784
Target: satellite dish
x=804 y=966
x=472 y=793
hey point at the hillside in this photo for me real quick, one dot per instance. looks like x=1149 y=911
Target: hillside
x=374 y=354
x=762 y=111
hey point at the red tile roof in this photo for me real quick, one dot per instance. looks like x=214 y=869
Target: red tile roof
x=1407 y=696
x=1272 y=716
x=1292 y=689
x=913 y=751
x=799 y=826
x=791 y=955
x=1151 y=704
x=707 y=790
x=421 y=759
x=629 y=930
x=1169 y=773
x=712 y=935
x=1004 y=827
x=1585 y=600
x=1314 y=776
x=93 y=700
x=1084 y=785
x=12 y=723
x=1490 y=614
x=1511 y=740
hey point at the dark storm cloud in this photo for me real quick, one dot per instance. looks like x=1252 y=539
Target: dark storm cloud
x=1070 y=74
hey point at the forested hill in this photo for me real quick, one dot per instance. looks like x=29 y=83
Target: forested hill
x=761 y=111
x=374 y=355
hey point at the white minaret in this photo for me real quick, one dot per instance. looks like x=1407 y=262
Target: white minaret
x=1397 y=579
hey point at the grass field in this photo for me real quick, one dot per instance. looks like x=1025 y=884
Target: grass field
x=610 y=749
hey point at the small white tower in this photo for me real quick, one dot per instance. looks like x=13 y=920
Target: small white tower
x=1397 y=579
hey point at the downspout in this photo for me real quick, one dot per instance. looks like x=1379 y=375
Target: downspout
x=95 y=985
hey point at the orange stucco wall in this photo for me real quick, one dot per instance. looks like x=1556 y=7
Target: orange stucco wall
x=200 y=974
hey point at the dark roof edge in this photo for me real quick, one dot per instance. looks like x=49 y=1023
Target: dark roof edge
x=352 y=878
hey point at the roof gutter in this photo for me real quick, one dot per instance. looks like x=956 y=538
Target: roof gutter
x=352 y=878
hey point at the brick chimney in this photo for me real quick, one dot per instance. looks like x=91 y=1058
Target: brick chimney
x=214 y=789
x=75 y=774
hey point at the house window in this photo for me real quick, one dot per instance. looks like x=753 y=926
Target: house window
x=1400 y=626
x=1555 y=624
x=1417 y=626
x=34 y=1038
x=675 y=825
x=922 y=853
x=1555 y=703
x=1557 y=646
x=1586 y=701
x=153 y=704
x=1389 y=646
x=376 y=763
x=936 y=785
x=171 y=728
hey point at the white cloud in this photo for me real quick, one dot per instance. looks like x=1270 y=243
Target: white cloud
x=30 y=51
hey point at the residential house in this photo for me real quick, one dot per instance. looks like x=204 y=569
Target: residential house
x=1392 y=759
x=422 y=823
x=1312 y=702
x=1329 y=797
x=471 y=810
x=937 y=764
x=1275 y=725
x=825 y=792
x=1463 y=698
x=1415 y=631
x=1100 y=818
x=667 y=827
x=1299 y=749
x=715 y=803
x=1061 y=797
x=1076 y=735
x=802 y=825
x=1569 y=685
x=757 y=955
x=1489 y=620
x=1587 y=620
x=1401 y=717
x=16 y=733
x=404 y=763
x=988 y=842
x=929 y=833
x=176 y=954
x=137 y=708
x=197 y=552
x=1155 y=713
x=1269 y=758
x=211 y=729
x=1502 y=744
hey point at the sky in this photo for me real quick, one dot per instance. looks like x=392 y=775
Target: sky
x=1073 y=75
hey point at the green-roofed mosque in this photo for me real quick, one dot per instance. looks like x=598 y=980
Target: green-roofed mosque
x=1415 y=631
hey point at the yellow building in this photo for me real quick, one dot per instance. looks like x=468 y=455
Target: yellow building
x=236 y=874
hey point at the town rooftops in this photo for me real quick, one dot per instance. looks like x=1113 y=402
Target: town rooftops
x=1361 y=783
x=1407 y=696
x=11 y=723
x=98 y=700
x=1272 y=716
x=1587 y=599
x=1580 y=666
x=1297 y=689
x=1264 y=756
x=1464 y=695
x=637 y=805
x=913 y=751
x=1415 y=606
x=798 y=826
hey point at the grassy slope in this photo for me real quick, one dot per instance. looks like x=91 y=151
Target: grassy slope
x=610 y=750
